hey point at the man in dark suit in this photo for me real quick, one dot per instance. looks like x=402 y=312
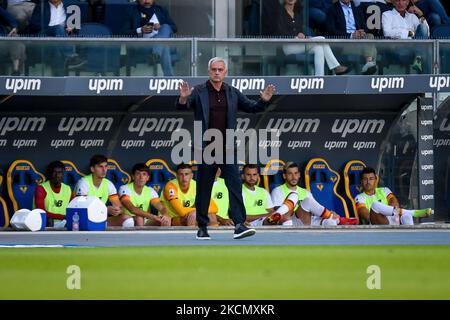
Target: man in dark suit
x=53 y=23
x=345 y=20
x=215 y=105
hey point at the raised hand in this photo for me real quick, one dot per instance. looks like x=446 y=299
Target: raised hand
x=185 y=92
x=268 y=92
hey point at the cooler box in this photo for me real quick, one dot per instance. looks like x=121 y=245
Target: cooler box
x=92 y=213
x=34 y=220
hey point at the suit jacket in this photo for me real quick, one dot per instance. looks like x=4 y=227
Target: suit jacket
x=336 y=25
x=199 y=102
x=133 y=21
x=35 y=21
x=6 y=20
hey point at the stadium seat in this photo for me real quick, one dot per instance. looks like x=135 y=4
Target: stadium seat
x=322 y=182
x=273 y=174
x=441 y=32
x=448 y=187
x=84 y=8
x=352 y=184
x=21 y=180
x=116 y=175
x=160 y=174
x=4 y=217
x=101 y=59
x=114 y=14
x=194 y=168
x=71 y=174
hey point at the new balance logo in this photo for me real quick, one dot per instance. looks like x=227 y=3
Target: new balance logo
x=16 y=85
x=382 y=84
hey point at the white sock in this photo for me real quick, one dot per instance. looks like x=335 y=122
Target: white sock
x=129 y=223
x=310 y=204
x=289 y=203
x=386 y=210
x=383 y=209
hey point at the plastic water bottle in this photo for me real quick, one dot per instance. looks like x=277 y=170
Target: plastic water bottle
x=75 y=222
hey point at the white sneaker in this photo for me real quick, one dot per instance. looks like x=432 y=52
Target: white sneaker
x=369 y=68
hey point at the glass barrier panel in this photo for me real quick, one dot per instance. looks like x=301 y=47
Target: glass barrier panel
x=279 y=57
x=87 y=57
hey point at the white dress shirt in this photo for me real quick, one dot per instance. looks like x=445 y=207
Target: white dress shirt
x=397 y=27
x=57 y=15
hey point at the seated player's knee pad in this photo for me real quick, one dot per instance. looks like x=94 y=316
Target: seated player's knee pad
x=129 y=223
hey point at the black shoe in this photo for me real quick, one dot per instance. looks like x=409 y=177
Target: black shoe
x=202 y=234
x=341 y=70
x=75 y=62
x=15 y=73
x=241 y=231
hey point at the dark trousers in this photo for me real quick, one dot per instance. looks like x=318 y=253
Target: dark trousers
x=205 y=179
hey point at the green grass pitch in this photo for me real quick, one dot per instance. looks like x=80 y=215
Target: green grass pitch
x=227 y=272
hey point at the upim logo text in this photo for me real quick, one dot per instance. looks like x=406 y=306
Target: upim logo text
x=388 y=83
x=301 y=84
x=99 y=85
x=23 y=85
x=248 y=84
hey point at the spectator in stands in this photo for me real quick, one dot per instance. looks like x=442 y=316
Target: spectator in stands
x=220 y=196
x=318 y=13
x=257 y=201
x=54 y=19
x=53 y=196
x=95 y=184
x=15 y=51
x=297 y=206
x=345 y=20
x=400 y=24
x=380 y=206
x=22 y=11
x=290 y=24
x=136 y=198
x=179 y=198
x=149 y=20
x=433 y=10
